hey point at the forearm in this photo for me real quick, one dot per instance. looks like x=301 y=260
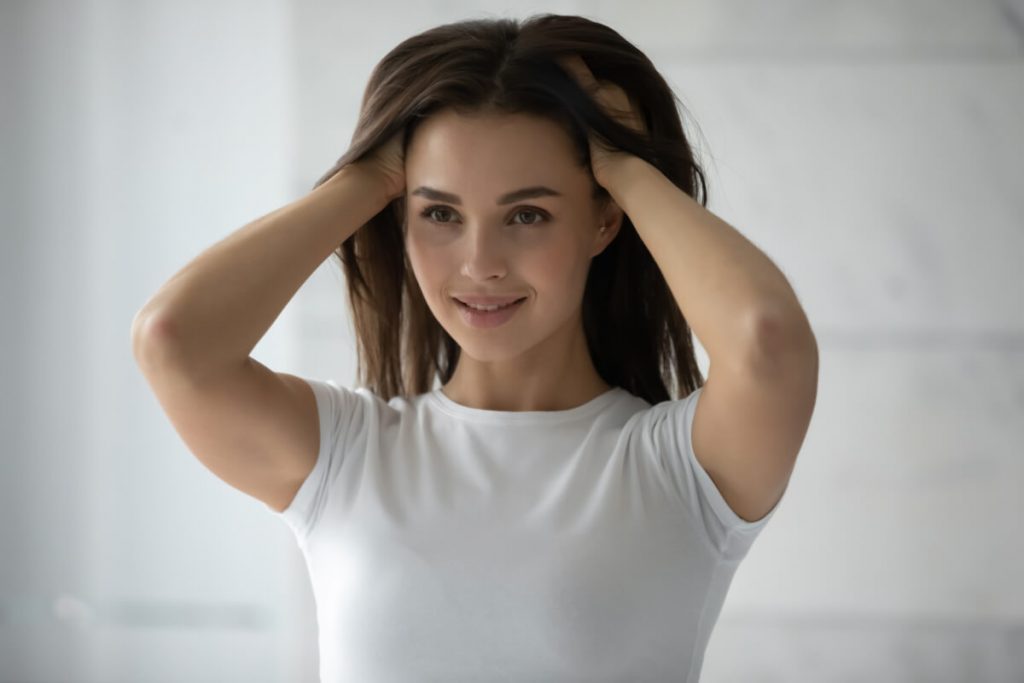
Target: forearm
x=729 y=291
x=211 y=313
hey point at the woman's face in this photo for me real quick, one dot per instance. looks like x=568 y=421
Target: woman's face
x=464 y=236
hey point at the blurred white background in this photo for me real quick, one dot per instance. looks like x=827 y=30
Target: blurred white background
x=873 y=149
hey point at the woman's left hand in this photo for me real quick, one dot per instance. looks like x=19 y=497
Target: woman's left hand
x=616 y=103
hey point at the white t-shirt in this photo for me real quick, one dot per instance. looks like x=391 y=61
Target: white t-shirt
x=449 y=543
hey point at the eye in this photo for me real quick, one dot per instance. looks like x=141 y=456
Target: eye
x=429 y=212
x=540 y=215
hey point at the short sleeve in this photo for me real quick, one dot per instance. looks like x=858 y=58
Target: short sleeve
x=666 y=429
x=341 y=414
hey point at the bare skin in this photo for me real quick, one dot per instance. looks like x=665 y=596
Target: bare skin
x=539 y=248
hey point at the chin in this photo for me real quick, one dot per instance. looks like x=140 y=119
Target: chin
x=489 y=351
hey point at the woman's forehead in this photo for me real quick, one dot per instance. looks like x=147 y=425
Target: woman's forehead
x=492 y=154
x=449 y=134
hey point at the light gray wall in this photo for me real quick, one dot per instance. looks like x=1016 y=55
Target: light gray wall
x=872 y=149
x=135 y=135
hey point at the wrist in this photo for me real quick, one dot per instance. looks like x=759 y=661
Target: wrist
x=620 y=177
x=368 y=179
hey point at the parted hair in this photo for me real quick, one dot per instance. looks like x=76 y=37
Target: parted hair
x=636 y=334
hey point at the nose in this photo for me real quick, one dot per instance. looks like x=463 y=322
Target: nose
x=484 y=255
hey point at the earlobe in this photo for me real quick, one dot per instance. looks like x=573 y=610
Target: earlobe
x=613 y=219
x=605 y=236
x=612 y=216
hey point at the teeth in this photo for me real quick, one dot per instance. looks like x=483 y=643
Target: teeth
x=489 y=308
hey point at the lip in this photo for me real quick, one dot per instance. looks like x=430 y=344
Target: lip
x=488 y=319
x=486 y=300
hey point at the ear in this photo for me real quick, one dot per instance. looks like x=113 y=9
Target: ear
x=611 y=221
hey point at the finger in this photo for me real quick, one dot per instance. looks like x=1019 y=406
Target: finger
x=575 y=65
x=608 y=94
x=611 y=96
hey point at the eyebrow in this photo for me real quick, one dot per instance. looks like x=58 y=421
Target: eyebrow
x=517 y=195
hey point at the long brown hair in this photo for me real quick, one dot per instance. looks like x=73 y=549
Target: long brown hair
x=636 y=334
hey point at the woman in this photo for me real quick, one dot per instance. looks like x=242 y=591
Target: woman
x=513 y=493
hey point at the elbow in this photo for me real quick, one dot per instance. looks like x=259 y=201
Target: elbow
x=150 y=335
x=782 y=340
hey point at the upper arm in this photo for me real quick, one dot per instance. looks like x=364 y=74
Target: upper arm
x=256 y=429
x=749 y=424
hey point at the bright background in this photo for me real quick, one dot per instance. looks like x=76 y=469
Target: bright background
x=869 y=147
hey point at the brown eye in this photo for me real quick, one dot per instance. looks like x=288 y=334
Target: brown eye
x=540 y=216
x=429 y=212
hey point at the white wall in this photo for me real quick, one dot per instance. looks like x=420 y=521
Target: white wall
x=137 y=133
x=872 y=149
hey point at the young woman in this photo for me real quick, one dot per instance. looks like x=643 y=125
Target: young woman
x=513 y=492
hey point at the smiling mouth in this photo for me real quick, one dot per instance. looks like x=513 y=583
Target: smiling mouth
x=488 y=309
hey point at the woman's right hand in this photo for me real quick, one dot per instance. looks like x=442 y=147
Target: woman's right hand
x=387 y=164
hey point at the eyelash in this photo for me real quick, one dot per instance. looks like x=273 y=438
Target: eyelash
x=543 y=215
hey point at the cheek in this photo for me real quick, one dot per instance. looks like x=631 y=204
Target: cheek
x=558 y=268
x=431 y=266
x=551 y=265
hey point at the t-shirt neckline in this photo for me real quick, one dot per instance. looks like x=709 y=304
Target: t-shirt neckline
x=587 y=409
